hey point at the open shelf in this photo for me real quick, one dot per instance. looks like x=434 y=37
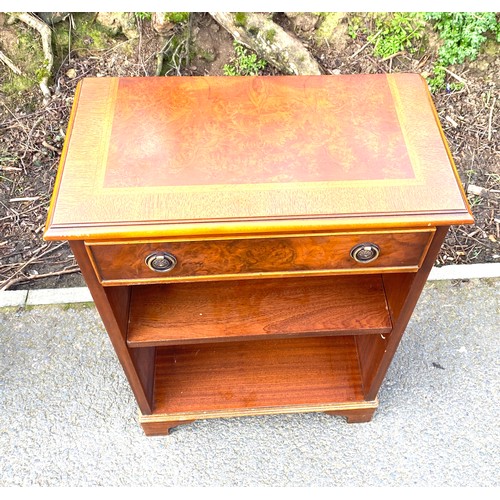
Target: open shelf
x=230 y=377
x=189 y=313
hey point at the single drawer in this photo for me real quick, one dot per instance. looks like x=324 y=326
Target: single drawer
x=237 y=258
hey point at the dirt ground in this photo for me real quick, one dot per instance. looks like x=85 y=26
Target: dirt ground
x=31 y=138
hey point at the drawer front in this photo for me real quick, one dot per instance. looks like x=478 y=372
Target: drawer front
x=237 y=258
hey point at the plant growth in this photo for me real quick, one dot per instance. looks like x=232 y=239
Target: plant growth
x=244 y=64
x=391 y=33
x=397 y=31
x=176 y=17
x=143 y=16
x=463 y=34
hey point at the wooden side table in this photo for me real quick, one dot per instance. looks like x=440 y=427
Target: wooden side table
x=255 y=245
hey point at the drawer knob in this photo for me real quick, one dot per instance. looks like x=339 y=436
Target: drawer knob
x=161 y=262
x=365 y=252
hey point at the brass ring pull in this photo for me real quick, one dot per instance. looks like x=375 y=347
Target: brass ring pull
x=365 y=252
x=161 y=262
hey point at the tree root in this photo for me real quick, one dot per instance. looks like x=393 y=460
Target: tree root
x=46 y=35
x=269 y=41
x=9 y=63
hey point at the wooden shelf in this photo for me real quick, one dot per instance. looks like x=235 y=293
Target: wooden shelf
x=185 y=313
x=235 y=376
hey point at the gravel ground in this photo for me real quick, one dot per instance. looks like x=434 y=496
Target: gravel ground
x=68 y=418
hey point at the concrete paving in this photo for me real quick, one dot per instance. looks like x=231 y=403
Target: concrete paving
x=68 y=417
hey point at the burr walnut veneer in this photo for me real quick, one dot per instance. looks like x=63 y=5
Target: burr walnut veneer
x=255 y=245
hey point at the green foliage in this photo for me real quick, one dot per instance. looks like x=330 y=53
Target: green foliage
x=244 y=64
x=42 y=73
x=85 y=35
x=463 y=34
x=389 y=32
x=437 y=82
x=28 y=55
x=354 y=26
x=16 y=84
x=143 y=16
x=397 y=31
x=270 y=35
x=177 y=17
x=173 y=17
x=329 y=21
x=240 y=19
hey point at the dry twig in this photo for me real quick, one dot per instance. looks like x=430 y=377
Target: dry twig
x=366 y=44
x=8 y=169
x=454 y=75
x=48 y=146
x=392 y=56
x=69 y=270
x=26 y=198
x=491 y=118
x=37 y=255
x=28 y=140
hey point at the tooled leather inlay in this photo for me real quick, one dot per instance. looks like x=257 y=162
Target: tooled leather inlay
x=254 y=130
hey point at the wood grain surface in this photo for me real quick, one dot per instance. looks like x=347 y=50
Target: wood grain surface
x=244 y=375
x=159 y=424
x=113 y=306
x=198 y=155
x=122 y=262
x=200 y=131
x=402 y=294
x=218 y=311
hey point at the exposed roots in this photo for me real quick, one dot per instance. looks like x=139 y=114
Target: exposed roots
x=46 y=35
x=9 y=63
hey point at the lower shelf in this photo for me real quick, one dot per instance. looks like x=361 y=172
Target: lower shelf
x=248 y=377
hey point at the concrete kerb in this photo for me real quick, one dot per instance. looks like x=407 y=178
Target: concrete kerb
x=48 y=296
x=470 y=271
x=22 y=298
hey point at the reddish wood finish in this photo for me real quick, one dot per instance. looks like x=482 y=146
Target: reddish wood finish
x=162 y=428
x=244 y=375
x=206 y=126
x=274 y=178
x=354 y=416
x=376 y=354
x=264 y=154
x=114 y=317
x=243 y=310
x=250 y=256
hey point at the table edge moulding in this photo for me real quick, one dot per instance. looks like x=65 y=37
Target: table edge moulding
x=255 y=245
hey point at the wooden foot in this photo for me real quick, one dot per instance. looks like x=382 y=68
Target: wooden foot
x=161 y=428
x=354 y=416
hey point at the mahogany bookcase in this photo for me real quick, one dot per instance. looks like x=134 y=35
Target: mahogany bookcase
x=255 y=245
